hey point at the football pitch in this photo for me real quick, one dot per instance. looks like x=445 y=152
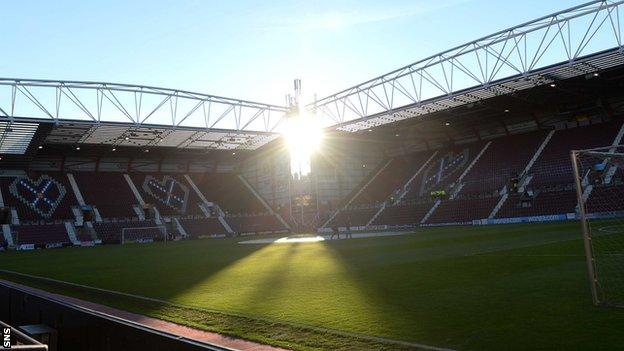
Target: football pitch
x=511 y=287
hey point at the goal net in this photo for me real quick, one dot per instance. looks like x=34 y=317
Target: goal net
x=599 y=178
x=143 y=234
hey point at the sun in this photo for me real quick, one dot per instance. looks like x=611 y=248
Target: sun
x=303 y=137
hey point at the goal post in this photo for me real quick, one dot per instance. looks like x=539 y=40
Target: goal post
x=143 y=234
x=599 y=181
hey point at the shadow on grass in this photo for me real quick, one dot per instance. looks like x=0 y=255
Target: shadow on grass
x=528 y=291
x=424 y=291
x=286 y=335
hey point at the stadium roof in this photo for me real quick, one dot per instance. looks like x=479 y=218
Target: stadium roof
x=131 y=115
x=570 y=43
x=574 y=42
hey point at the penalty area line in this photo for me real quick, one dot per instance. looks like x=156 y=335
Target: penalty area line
x=264 y=319
x=619 y=228
x=536 y=255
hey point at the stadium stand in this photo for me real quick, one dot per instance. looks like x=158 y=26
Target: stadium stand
x=52 y=199
x=39 y=195
x=549 y=188
x=604 y=193
x=83 y=236
x=228 y=192
x=504 y=159
x=308 y=220
x=196 y=227
x=472 y=189
x=405 y=213
x=355 y=215
x=385 y=186
x=193 y=201
x=40 y=234
x=264 y=223
x=549 y=184
x=440 y=173
x=554 y=166
x=96 y=189
x=109 y=191
x=164 y=191
x=110 y=232
x=391 y=178
x=463 y=210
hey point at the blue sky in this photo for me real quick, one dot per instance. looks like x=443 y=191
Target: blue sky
x=242 y=49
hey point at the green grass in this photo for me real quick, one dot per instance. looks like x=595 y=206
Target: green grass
x=513 y=287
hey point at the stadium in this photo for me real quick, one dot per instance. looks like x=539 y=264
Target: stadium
x=471 y=200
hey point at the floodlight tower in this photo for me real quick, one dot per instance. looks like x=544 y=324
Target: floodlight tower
x=293 y=102
x=302 y=138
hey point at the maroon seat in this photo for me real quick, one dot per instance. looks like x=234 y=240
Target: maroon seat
x=463 y=210
x=196 y=227
x=168 y=193
x=552 y=176
x=554 y=165
x=229 y=192
x=108 y=191
x=354 y=216
x=551 y=200
x=39 y=196
x=194 y=200
x=83 y=236
x=406 y=213
x=255 y=224
x=605 y=198
x=391 y=178
x=504 y=159
x=110 y=232
x=387 y=184
x=40 y=234
x=443 y=171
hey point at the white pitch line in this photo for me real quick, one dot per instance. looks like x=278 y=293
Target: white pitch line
x=476 y=253
x=536 y=255
x=607 y=229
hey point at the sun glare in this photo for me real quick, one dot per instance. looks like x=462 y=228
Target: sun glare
x=303 y=137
